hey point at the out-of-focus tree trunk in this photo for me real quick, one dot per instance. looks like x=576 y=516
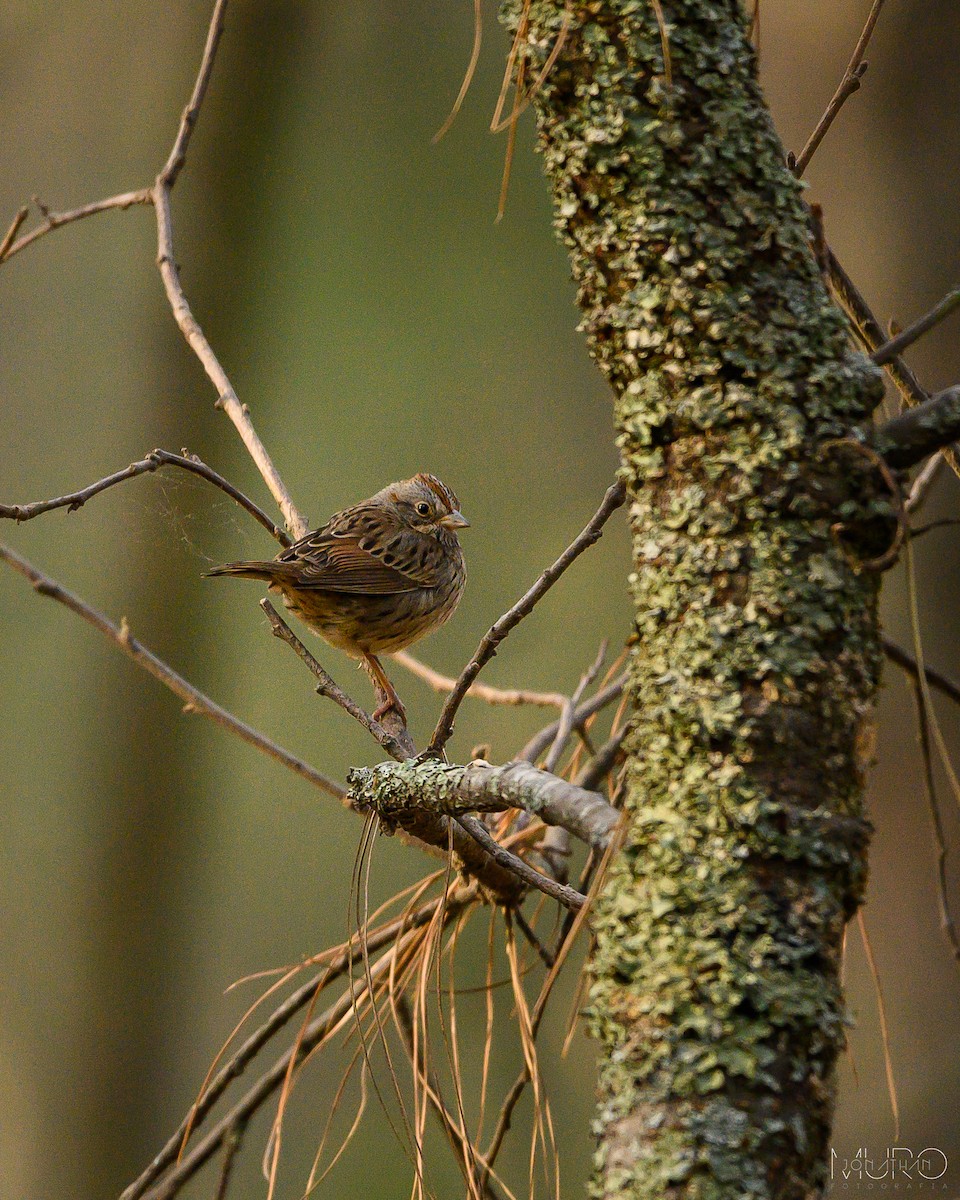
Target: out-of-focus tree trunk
x=716 y=999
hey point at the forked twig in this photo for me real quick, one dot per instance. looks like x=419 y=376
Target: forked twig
x=605 y=696
x=614 y=498
x=169 y=273
x=159 y=196
x=55 y=220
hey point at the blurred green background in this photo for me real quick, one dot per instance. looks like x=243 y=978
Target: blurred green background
x=377 y=321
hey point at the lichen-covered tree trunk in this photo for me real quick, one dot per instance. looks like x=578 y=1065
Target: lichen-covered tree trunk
x=716 y=999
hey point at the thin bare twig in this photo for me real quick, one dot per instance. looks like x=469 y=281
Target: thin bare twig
x=195 y=700
x=896 y=345
x=399 y=748
x=512 y=697
x=567 y=896
x=178 y=152
x=188 y=324
x=947 y=924
x=12 y=232
x=614 y=498
x=55 y=220
x=567 y=715
x=152 y=462
x=850 y=83
x=603 y=762
x=546 y=956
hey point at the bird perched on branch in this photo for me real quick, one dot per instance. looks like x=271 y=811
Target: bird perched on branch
x=377 y=577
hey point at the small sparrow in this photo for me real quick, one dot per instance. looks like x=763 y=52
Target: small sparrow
x=377 y=577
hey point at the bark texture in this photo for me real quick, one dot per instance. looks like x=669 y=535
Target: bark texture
x=716 y=1000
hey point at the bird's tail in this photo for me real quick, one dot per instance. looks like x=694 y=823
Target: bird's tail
x=246 y=570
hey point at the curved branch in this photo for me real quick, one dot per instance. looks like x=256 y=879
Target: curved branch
x=850 y=83
x=145 y=466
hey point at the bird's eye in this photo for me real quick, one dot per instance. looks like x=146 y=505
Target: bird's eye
x=423 y=509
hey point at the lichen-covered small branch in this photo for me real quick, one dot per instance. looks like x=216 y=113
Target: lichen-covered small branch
x=394 y=791
x=716 y=998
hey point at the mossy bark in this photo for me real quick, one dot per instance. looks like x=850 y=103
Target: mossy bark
x=715 y=996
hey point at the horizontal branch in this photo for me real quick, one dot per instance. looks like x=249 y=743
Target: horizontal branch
x=426 y=826
x=612 y=500
x=392 y=790
x=509 y=697
x=921 y=431
x=195 y=700
x=152 y=462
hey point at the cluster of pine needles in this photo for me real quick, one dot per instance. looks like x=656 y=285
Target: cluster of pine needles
x=390 y=994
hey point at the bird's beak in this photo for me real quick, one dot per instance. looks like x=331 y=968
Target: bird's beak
x=454 y=520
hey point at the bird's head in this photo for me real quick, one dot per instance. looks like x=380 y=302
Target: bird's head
x=427 y=505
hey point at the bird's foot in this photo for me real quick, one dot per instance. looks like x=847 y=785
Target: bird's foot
x=391 y=703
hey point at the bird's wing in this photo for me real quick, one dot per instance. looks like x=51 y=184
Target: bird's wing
x=355 y=552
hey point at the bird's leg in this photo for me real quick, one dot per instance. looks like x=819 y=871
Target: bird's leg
x=387 y=698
